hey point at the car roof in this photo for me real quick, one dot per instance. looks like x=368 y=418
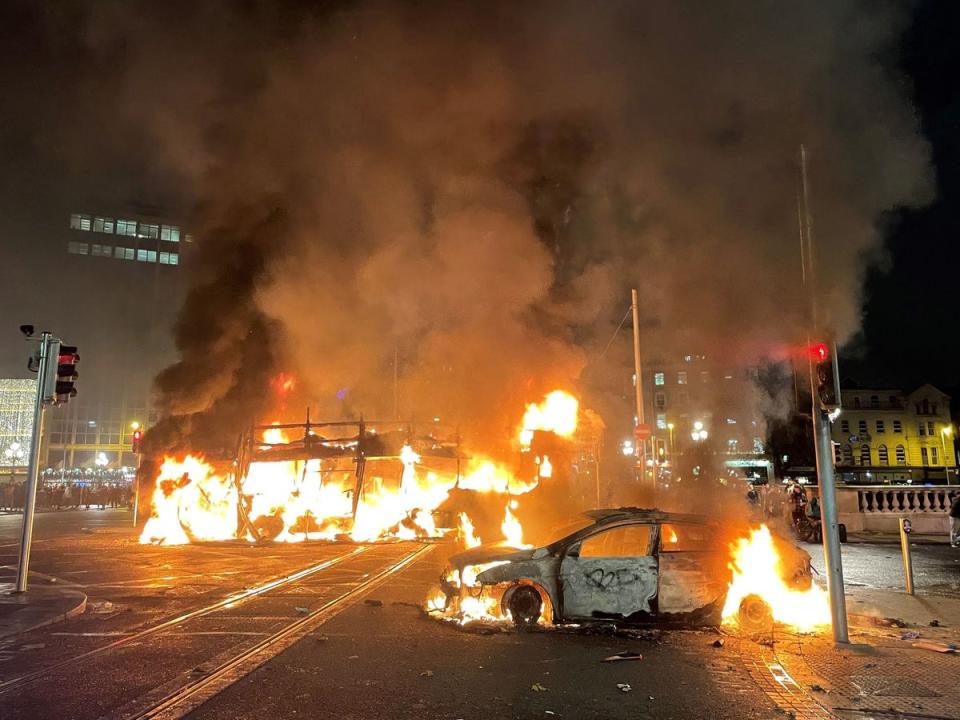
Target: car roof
x=610 y=515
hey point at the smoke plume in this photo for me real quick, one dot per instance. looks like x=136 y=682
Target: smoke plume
x=469 y=189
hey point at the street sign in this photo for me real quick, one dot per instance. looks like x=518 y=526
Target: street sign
x=642 y=432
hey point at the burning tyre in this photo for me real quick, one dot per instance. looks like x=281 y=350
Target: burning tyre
x=524 y=605
x=755 y=614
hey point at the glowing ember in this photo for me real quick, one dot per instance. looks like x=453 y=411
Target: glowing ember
x=756 y=567
x=557 y=413
x=545 y=467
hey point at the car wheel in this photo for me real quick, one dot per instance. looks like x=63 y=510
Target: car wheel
x=525 y=605
x=755 y=614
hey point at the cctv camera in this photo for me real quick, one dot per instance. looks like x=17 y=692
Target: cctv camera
x=27 y=330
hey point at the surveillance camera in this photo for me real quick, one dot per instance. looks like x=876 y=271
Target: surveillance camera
x=27 y=330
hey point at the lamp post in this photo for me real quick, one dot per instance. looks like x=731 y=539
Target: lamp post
x=945 y=431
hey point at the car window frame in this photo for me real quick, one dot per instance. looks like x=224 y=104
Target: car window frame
x=573 y=549
x=659 y=545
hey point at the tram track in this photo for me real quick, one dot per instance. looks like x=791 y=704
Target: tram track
x=228 y=602
x=176 y=699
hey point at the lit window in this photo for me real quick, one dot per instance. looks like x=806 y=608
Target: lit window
x=661 y=421
x=934 y=456
x=897 y=426
x=104 y=225
x=930 y=429
x=682 y=377
x=174 y=259
x=164 y=258
x=881 y=427
x=170 y=233
x=731 y=421
x=922 y=428
x=127 y=227
x=101 y=250
x=923 y=456
x=79 y=222
x=864 y=454
x=148 y=231
x=658 y=378
x=141 y=255
x=122 y=253
x=77 y=248
x=901 y=455
x=187 y=237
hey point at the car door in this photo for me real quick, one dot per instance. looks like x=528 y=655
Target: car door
x=610 y=574
x=692 y=567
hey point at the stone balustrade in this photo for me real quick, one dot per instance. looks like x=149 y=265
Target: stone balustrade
x=877 y=508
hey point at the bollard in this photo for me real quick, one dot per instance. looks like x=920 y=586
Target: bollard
x=905 y=527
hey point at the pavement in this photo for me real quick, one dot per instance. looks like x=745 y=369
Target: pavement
x=43 y=604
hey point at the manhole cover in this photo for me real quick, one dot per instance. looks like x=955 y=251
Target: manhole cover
x=886 y=687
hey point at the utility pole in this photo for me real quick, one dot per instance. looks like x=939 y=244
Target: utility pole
x=825 y=399
x=638 y=388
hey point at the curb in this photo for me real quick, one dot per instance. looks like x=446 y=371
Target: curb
x=78 y=609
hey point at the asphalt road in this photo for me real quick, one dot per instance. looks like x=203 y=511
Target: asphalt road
x=936 y=567
x=360 y=660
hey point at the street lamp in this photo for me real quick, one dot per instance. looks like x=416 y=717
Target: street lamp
x=946 y=430
x=699 y=433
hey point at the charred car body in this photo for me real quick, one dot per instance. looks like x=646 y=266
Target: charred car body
x=626 y=565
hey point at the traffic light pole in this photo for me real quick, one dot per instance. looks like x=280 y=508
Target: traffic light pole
x=30 y=492
x=829 y=523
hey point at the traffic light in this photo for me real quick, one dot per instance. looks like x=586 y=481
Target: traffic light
x=826 y=376
x=135 y=442
x=66 y=373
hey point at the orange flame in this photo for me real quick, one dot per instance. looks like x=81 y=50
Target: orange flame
x=756 y=566
x=557 y=413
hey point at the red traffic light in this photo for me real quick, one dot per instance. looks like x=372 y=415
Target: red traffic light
x=819 y=351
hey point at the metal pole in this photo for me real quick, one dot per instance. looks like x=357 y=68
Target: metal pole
x=830 y=524
x=30 y=492
x=638 y=384
x=907 y=558
x=136 y=491
x=821 y=427
x=946 y=462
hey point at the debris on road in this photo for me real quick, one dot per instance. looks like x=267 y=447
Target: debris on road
x=934 y=623
x=936 y=646
x=718 y=643
x=896 y=622
x=373 y=603
x=302 y=610
x=427 y=673
x=909 y=635
x=537 y=687
x=625 y=655
x=818 y=688
x=624 y=687
x=33 y=646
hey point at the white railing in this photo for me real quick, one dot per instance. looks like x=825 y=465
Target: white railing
x=901 y=499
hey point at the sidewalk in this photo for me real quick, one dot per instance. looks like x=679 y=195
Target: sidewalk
x=890 y=670
x=43 y=604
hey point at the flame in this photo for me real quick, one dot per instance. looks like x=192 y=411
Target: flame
x=486 y=476
x=467 y=533
x=275 y=436
x=189 y=496
x=672 y=538
x=557 y=413
x=511 y=528
x=756 y=567
x=545 y=467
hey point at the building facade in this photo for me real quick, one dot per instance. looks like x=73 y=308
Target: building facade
x=887 y=436
x=17 y=399
x=703 y=412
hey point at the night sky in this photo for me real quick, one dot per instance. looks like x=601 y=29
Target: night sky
x=909 y=331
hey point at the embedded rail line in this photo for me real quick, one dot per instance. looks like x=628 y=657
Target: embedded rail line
x=168 y=703
x=179 y=619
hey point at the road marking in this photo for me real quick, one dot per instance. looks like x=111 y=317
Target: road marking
x=228 y=602
x=187 y=698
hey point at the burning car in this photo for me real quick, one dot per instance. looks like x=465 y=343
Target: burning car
x=632 y=566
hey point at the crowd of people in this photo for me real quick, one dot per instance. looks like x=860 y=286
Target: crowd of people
x=66 y=495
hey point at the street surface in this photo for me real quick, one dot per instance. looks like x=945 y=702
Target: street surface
x=334 y=630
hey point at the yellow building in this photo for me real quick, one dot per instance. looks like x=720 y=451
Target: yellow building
x=888 y=436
